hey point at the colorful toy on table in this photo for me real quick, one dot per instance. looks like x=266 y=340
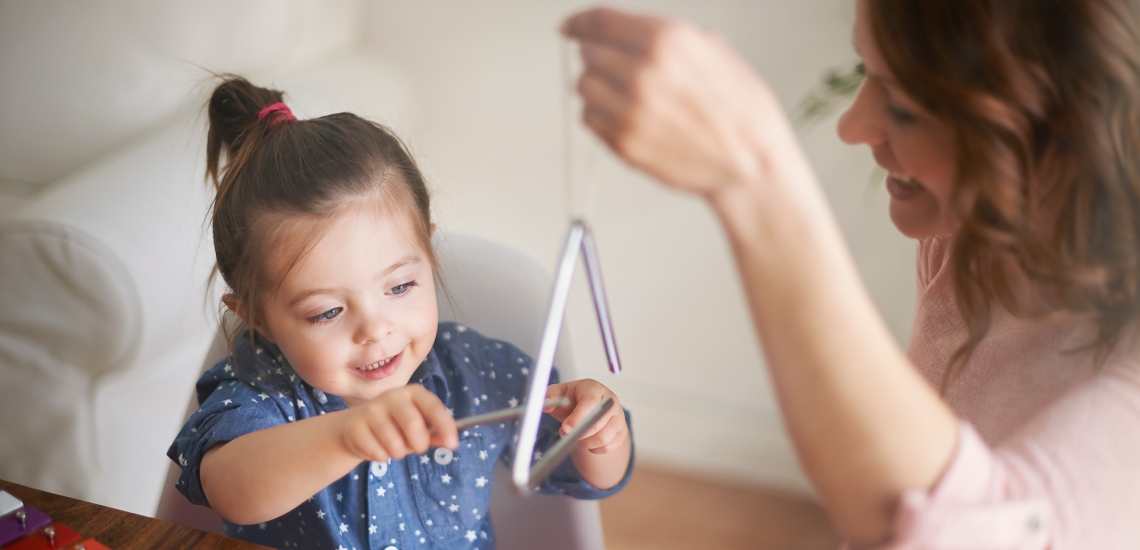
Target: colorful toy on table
x=26 y=528
x=52 y=537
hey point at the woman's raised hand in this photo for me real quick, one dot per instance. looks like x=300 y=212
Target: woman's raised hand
x=675 y=101
x=401 y=421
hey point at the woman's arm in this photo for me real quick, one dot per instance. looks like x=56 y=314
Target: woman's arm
x=680 y=104
x=264 y=474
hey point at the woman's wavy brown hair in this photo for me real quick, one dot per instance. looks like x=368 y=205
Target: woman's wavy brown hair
x=1043 y=98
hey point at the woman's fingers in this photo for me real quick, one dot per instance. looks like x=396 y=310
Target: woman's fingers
x=675 y=101
x=614 y=27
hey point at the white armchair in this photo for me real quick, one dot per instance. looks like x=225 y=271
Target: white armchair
x=104 y=250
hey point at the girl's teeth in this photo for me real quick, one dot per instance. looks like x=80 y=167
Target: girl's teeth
x=377 y=364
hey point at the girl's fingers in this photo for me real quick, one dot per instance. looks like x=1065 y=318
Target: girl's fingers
x=389 y=436
x=444 y=432
x=607 y=438
x=555 y=391
x=361 y=442
x=411 y=422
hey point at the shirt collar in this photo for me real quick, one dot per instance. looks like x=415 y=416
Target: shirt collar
x=430 y=375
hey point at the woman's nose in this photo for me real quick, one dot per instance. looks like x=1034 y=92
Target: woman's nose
x=860 y=123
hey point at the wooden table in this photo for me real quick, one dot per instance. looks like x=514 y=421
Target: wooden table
x=120 y=530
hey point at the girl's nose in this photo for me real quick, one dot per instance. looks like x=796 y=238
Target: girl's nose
x=373 y=328
x=860 y=123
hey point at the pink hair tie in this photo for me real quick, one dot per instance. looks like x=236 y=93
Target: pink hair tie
x=283 y=109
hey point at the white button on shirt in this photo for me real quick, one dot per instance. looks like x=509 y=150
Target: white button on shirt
x=379 y=469
x=443 y=456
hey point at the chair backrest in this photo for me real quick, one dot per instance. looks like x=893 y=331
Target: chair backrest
x=503 y=294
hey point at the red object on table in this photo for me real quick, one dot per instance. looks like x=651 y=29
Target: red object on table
x=39 y=540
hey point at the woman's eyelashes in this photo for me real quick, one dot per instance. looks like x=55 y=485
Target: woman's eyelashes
x=402 y=288
x=326 y=316
x=899 y=115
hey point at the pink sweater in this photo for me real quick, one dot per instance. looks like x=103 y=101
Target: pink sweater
x=1048 y=454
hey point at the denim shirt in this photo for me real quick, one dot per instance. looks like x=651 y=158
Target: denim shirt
x=435 y=500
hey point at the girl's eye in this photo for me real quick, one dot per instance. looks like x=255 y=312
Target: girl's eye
x=326 y=316
x=402 y=288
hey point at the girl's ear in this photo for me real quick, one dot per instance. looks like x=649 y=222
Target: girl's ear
x=242 y=311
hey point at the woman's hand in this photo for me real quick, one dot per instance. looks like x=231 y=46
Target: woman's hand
x=675 y=101
x=608 y=433
x=399 y=422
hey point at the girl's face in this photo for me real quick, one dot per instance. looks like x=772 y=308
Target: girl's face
x=356 y=314
x=914 y=148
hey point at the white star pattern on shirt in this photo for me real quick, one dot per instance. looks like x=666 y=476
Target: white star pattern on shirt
x=341 y=547
x=446 y=478
x=525 y=370
x=460 y=328
x=401 y=526
x=513 y=402
x=470 y=536
x=261 y=526
x=453 y=508
x=380 y=491
x=416 y=477
x=480 y=481
x=182 y=461
x=320 y=514
x=339 y=497
x=227 y=368
x=447 y=336
x=424 y=459
x=482 y=454
x=263 y=396
x=371 y=529
x=343 y=528
x=428 y=522
x=227 y=402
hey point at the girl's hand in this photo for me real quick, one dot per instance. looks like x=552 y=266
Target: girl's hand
x=399 y=422
x=608 y=433
x=675 y=100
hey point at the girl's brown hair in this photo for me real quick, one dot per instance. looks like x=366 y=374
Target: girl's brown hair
x=271 y=170
x=1043 y=98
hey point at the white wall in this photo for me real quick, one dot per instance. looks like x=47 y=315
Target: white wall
x=487 y=126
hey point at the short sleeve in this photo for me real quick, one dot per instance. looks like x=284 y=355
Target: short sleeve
x=965 y=512
x=229 y=408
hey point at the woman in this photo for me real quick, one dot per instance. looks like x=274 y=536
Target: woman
x=1010 y=130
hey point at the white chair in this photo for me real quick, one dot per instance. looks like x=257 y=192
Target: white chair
x=503 y=294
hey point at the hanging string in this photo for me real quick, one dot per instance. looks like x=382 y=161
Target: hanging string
x=580 y=181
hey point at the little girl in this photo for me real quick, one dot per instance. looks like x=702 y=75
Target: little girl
x=332 y=422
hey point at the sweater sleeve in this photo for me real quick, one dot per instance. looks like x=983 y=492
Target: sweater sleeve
x=1067 y=480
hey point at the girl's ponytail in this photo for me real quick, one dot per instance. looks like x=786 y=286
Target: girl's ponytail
x=235 y=127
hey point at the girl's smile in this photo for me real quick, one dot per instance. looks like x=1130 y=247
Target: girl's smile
x=355 y=313
x=380 y=369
